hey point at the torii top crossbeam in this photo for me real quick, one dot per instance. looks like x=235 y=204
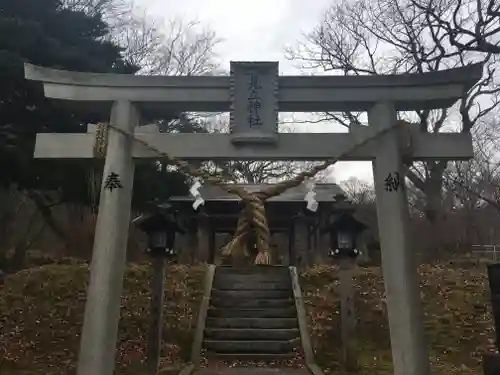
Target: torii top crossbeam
x=431 y=90
x=255 y=89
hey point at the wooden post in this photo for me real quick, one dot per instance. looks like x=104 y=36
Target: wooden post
x=300 y=239
x=156 y=314
x=292 y=256
x=309 y=248
x=192 y=241
x=316 y=254
x=347 y=315
x=211 y=244
x=324 y=241
x=203 y=235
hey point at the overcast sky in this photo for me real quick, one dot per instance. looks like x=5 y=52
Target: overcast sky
x=257 y=30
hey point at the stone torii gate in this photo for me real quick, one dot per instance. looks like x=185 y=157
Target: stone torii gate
x=254 y=93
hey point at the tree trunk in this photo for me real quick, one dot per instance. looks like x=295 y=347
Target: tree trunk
x=18 y=260
x=433 y=213
x=3 y=260
x=348 y=318
x=158 y=265
x=434 y=208
x=48 y=218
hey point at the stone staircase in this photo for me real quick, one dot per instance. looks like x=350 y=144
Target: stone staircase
x=252 y=315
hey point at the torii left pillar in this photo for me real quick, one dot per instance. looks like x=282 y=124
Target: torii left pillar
x=102 y=309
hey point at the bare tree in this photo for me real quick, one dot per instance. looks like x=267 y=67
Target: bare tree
x=255 y=172
x=112 y=11
x=469 y=25
x=474 y=186
x=358 y=191
x=20 y=227
x=368 y=37
x=176 y=47
x=187 y=48
x=139 y=36
x=476 y=182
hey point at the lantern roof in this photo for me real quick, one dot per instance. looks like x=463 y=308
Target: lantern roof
x=345 y=221
x=157 y=221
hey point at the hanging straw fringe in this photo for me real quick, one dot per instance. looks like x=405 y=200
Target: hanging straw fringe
x=264 y=257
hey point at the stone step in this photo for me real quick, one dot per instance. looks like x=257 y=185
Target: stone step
x=256 y=369
x=247 y=346
x=253 y=357
x=254 y=285
x=251 y=303
x=253 y=270
x=251 y=334
x=287 y=312
x=225 y=281
x=253 y=323
x=251 y=294
x=266 y=276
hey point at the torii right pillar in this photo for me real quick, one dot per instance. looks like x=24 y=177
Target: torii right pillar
x=404 y=305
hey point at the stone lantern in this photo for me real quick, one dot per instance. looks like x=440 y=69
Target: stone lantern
x=161 y=227
x=344 y=231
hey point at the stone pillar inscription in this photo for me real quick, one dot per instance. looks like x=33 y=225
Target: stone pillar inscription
x=102 y=309
x=404 y=306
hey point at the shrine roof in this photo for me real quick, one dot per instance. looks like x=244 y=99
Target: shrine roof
x=325 y=192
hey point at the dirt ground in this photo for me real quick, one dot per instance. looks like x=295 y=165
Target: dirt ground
x=41 y=311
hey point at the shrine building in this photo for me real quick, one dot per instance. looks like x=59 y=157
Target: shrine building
x=296 y=238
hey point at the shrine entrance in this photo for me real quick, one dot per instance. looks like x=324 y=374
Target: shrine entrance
x=296 y=236
x=254 y=93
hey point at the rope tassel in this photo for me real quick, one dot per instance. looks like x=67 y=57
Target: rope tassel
x=237 y=245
